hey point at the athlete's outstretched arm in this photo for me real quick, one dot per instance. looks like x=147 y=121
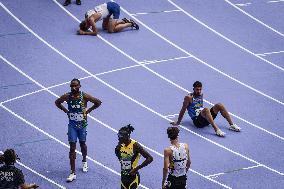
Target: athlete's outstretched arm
x=145 y=154
x=167 y=153
x=94 y=100
x=60 y=100
x=187 y=100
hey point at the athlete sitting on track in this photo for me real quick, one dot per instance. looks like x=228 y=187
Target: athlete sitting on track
x=203 y=116
x=128 y=153
x=105 y=12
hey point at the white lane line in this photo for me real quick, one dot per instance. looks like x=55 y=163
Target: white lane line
x=206 y=64
x=171 y=116
x=38 y=174
x=145 y=62
x=243 y=4
x=277 y=1
x=269 y=53
x=123 y=94
x=224 y=37
x=154 y=12
x=165 y=60
x=260 y=22
x=40 y=90
x=164 y=78
x=100 y=122
x=245 y=168
x=59 y=141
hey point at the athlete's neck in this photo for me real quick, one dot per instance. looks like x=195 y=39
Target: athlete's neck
x=196 y=95
x=175 y=142
x=75 y=94
x=127 y=142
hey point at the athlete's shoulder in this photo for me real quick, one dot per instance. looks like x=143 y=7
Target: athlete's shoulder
x=65 y=96
x=188 y=98
x=168 y=151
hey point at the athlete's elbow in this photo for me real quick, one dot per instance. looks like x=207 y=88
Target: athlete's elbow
x=150 y=159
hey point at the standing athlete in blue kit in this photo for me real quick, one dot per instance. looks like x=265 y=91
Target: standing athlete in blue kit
x=77 y=113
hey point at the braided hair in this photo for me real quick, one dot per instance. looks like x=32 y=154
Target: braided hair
x=126 y=130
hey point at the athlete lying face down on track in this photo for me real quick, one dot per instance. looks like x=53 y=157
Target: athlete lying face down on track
x=108 y=12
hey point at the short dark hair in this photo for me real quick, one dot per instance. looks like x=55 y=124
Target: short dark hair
x=197 y=84
x=172 y=132
x=75 y=79
x=82 y=26
x=9 y=157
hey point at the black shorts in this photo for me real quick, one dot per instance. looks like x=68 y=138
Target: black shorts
x=130 y=182
x=176 y=182
x=200 y=121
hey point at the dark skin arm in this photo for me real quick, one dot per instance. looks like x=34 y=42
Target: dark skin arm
x=59 y=102
x=96 y=102
x=148 y=158
x=186 y=102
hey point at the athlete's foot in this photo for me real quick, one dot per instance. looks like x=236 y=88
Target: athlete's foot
x=234 y=127
x=78 y=2
x=71 y=177
x=85 y=166
x=134 y=25
x=67 y=2
x=220 y=133
x=125 y=20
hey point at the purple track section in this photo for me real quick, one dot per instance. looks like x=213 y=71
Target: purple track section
x=48 y=68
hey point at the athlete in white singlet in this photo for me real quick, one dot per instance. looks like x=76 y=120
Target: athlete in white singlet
x=108 y=12
x=176 y=162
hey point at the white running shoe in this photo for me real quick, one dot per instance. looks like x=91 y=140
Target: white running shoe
x=71 y=177
x=220 y=133
x=85 y=167
x=234 y=127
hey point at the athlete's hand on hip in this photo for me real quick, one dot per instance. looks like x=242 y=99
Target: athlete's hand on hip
x=133 y=172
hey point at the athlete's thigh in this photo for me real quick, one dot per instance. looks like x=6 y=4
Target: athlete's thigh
x=82 y=134
x=105 y=23
x=72 y=134
x=111 y=25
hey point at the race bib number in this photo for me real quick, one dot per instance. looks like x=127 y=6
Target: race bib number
x=76 y=117
x=197 y=111
x=125 y=165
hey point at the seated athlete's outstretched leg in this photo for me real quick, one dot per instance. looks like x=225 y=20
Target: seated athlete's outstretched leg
x=72 y=156
x=221 y=108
